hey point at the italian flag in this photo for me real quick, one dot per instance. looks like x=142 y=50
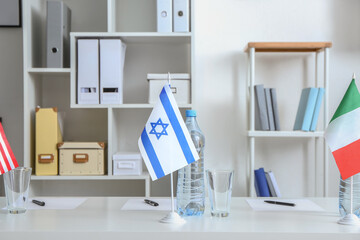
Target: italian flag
x=343 y=133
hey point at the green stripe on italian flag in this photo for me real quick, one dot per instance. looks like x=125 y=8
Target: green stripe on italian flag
x=343 y=133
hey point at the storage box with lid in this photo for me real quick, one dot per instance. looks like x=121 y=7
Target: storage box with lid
x=179 y=84
x=81 y=158
x=127 y=163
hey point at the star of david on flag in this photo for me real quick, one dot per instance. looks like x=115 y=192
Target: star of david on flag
x=165 y=143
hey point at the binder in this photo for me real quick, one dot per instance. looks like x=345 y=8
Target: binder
x=261 y=185
x=88 y=71
x=58 y=24
x=47 y=136
x=275 y=108
x=112 y=57
x=181 y=15
x=164 y=15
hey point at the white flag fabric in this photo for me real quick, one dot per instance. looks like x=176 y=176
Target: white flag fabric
x=165 y=143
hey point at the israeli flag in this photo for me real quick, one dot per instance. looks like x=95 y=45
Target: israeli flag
x=165 y=143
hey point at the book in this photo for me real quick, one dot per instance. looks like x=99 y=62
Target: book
x=275 y=109
x=273 y=186
x=306 y=109
x=261 y=184
x=270 y=185
x=269 y=109
x=261 y=116
x=317 y=109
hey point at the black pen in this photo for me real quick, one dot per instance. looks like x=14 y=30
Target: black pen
x=40 y=203
x=152 y=203
x=280 y=203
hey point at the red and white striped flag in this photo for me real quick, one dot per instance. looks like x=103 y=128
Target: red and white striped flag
x=7 y=158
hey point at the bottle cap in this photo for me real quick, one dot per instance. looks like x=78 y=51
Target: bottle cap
x=190 y=113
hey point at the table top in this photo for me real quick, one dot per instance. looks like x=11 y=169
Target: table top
x=102 y=217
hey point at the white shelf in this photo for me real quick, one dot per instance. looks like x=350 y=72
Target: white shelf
x=125 y=105
x=144 y=176
x=61 y=72
x=140 y=37
x=290 y=134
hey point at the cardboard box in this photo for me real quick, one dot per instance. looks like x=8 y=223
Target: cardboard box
x=81 y=158
x=180 y=86
x=47 y=136
x=127 y=163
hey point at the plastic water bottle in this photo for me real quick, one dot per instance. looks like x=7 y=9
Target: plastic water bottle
x=190 y=192
x=344 y=196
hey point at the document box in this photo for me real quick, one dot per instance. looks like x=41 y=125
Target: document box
x=81 y=158
x=127 y=163
x=47 y=136
x=180 y=86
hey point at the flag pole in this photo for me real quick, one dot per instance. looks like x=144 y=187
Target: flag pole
x=351 y=218
x=172 y=217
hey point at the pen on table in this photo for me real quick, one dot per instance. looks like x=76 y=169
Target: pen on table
x=152 y=203
x=40 y=203
x=280 y=203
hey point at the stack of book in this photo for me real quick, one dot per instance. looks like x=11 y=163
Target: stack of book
x=309 y=108
x=266 y=109
x=265 y=184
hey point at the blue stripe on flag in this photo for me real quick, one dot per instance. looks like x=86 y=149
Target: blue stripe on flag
x=152 y=155
x=176 y=126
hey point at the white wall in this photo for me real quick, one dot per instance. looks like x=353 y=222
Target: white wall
x=11 y=89
x=223 y=29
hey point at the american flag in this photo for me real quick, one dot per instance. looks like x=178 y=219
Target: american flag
x=7 y=158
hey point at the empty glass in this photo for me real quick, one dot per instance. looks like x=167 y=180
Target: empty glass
x=17 y=183
x=220 y=188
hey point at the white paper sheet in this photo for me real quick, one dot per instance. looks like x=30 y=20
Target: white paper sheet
x=300 y=205
x=61 y=203
x=136 y=204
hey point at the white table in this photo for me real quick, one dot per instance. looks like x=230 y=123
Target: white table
x=102 y=218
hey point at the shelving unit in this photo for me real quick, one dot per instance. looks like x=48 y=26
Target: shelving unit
x=286 y=47
x=117 y=125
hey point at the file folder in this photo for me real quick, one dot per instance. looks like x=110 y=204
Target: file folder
x=47 y=136
x=181 y=16
x=112 y=58
x=58 y=24
x=88 y=71
x=164 y=15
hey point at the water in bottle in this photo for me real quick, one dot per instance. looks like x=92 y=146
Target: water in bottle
x=190 y=193
x=344 y=196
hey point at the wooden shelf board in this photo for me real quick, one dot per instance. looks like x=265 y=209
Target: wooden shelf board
x=288 y=46
x=290 y=134
x=143 y=176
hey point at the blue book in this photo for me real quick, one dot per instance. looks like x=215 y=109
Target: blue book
x=315 y=117
x=261 y=183
x=306 y=109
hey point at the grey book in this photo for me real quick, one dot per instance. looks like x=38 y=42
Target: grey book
x=261 y=116
x=270 y=185
x=275 y=108
x=58 y=24
x=269 y=109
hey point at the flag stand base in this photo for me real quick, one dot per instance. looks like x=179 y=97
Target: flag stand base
x=173 y=217
x=350 y=219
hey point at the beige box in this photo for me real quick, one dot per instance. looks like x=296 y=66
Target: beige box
x=81 y=158
x=179 y=85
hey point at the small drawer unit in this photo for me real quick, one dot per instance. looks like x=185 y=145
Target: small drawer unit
x=127 y=163
x=179 y=85
x=81 y=158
